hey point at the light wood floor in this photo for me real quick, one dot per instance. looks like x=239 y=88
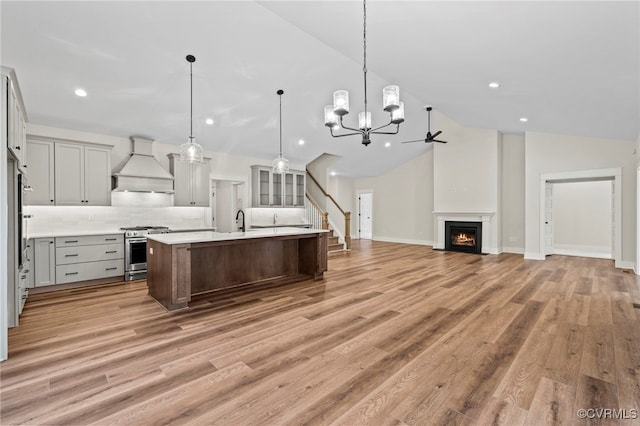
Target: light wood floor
x=395 y=334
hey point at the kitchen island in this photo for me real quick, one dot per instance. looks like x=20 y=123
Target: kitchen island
x=180 y=265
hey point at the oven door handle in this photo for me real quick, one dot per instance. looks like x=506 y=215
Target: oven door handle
x=136 y=240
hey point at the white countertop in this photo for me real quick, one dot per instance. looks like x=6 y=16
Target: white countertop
x=204 y=237
x=100 y=231
x=74 y=233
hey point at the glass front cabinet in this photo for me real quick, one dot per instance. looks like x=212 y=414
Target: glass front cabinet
x=277 y=190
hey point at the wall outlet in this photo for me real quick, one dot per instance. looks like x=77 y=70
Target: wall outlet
x=92 y=217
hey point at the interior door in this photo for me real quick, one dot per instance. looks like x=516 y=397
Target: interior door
x=548 y=219
x=364 y=215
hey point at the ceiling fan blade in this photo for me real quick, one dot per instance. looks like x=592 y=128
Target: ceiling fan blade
x=435 y=135
x=435 y=140
x=417 y=140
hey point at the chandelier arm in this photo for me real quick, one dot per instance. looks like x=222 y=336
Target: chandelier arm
x=383 y=126
x=388 y=133
x=346 y=134
x=360 y=131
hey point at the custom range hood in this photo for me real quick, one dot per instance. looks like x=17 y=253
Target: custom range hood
x=142 y=172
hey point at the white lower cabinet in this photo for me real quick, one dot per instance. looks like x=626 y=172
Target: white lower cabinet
x=64 y=260
x=45 y=262
x=89 y=271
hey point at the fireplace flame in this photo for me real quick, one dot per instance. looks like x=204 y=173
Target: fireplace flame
x=463 y=239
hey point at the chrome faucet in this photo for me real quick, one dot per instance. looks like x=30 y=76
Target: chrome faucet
x=275 y=217
x=242 y=227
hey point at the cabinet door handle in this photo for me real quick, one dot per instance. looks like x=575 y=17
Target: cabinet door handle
x=71 y=241
x=18 y=147
x=111 y=251
x=111 y=269
x=71 y=255
x=71 y=273
x=110 y=239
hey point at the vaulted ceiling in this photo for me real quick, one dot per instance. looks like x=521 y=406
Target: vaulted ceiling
x=569 y=67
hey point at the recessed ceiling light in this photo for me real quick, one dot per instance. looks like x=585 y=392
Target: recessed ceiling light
x=300 y=141
x=494 y=84
x=333 y=173
x=209 y=121
x=524 y=119
x=81 y=92
x=387 y=144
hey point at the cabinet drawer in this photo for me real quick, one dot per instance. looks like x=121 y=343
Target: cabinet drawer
x=79 y=254
x=89 y=240
x=89 y=271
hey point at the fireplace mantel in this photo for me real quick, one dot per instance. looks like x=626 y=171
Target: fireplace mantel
x=489 y=228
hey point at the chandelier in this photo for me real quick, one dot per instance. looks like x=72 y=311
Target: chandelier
x=390 y=100
x=280 y=165
x=191 y=150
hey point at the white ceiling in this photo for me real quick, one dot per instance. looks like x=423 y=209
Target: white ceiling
x=570 y=67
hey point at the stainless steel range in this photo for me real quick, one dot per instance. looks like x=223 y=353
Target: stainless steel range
x=135 y=250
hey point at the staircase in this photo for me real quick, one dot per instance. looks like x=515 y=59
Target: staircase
x=333 y=243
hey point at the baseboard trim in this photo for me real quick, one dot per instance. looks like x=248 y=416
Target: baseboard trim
x=581 y=253
x=403 y=241
x=514 y=250
x=625 y=264
x=533 y=255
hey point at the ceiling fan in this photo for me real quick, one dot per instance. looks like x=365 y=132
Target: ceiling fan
x=430 y=137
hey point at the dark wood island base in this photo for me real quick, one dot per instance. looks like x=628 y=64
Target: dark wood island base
x=178 y=268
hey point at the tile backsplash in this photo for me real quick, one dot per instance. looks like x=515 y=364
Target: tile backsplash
x=127 y=209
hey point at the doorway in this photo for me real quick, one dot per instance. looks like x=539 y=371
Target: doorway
x=582 y=213
x=546 y=223
x=227 y=197
x=365 y=207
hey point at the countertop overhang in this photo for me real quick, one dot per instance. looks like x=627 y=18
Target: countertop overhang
x=209 y=236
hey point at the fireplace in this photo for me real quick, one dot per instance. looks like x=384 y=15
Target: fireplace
x=463 y=236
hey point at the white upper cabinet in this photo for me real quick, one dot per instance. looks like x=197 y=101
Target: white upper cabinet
x=13 y=117
x=41 y=175
x=82 y=175
x=277 y=190
x=192 y=181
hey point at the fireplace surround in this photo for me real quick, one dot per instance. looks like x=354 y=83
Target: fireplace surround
x=489 y=243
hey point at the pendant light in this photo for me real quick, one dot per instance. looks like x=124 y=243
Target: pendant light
x=280 y=165
x=191 y=150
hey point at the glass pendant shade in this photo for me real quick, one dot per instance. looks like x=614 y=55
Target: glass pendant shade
x=330 y=117
x=390 y=98
x=191 y=151
x=364 y=120
x=280 y=165
x=397 y=115
x=341 y=102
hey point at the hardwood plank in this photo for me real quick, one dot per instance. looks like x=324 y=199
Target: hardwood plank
x=563 y=362
x=598 y=353
x=596 y=394
x=552 y=404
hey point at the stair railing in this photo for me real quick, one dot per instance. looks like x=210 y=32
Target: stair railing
x=315 y=215
x=339 y=211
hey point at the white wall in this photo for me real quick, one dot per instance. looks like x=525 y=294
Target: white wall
x=403 y=201
x=551 y=153
x=342 y=189
x=582 y=218
x=319 y=169
x=466 y=172
x=512 y=202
